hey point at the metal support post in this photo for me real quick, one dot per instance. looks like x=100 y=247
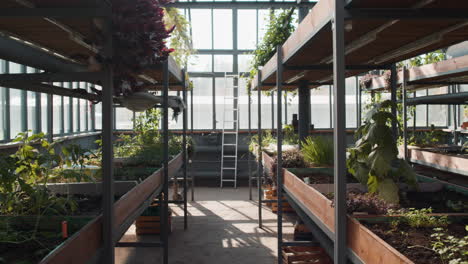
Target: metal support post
x=339 y=133
x=304 y=111
x=405 y=128
x=279 y=135
x=285 y=107
x=414 y=117
x=249 y=154
x=192 y=174
x=393 y=95
x=272 y=111
x=107 y=152
x=184 y=144
x=259 y=158
x=452 y=89
x=358 y=103
x=165 y=125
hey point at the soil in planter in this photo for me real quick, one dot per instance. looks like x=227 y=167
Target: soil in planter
x=19 y=244
x=445 y=201
x=414 y=243
x=454 y=151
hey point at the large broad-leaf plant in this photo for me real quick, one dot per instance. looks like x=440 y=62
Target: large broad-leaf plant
x=374 y=159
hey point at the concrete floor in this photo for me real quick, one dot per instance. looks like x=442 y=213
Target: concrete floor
x=223 y=228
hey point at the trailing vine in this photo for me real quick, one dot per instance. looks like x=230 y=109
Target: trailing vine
x=280 y=27
x=180 y=39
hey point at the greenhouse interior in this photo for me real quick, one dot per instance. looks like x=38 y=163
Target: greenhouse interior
x=267 y=131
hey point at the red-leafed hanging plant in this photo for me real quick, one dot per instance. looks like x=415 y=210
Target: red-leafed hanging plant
x=139 y=39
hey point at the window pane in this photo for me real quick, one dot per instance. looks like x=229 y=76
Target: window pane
x=15 y=112
x=76 y=116
x=44 y=121
x=84 y=109
x=246 y=29
x=123 y=118
x=438 y=115
x=58 y=114
x=66 y=115
x=16 y=120
x=98 y=116
x=320 y=107
x=201 y=28
x=223 y=63
x=222 y=28
x=203 y=104
x=200 y=63
x=244 y=61
x=31 y=110
x=263 y=18
x=351 y=106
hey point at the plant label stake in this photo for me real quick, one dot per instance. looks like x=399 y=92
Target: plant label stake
x=64 y=229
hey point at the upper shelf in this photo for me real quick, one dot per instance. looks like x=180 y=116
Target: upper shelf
x=369 y=41
x=73 y=37
x=430 y=75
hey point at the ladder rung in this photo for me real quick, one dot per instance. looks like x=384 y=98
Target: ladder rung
x=230 y=156
x=228 y=168
x=229 y=180
x=229 y=144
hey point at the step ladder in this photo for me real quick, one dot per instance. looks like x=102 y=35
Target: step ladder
x=230 y=132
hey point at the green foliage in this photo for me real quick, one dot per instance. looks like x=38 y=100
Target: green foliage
x=318 y=151
x=267 y=139
x=289 y=136
x=428 y=139
x=373 y=160
x=24 y=176
x=418 y=218
x=278 y=30
x=424 y=59
x=452 y=250
x=180 y=40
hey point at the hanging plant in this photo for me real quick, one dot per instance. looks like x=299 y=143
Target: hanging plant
x=180 y=40
x=280 y=27
x=139 y=40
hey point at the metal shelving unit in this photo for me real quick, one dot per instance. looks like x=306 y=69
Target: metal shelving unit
x=30 y=48
x=346 y=30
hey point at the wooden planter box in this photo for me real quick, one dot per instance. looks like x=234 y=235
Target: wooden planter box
x=368 y=247
x=305 y=255
x=440 y=161
x=269 y=193
x=83 y=245
x=363 y=242
x=151 y=225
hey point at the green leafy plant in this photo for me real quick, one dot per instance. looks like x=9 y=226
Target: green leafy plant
x=421 y=218
x=24 y=176
x=289 y=136
x=452 y=250
x=267 y=139
x=374 y=161
x=279 y=28
x=318 y=151
x=428 y=139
